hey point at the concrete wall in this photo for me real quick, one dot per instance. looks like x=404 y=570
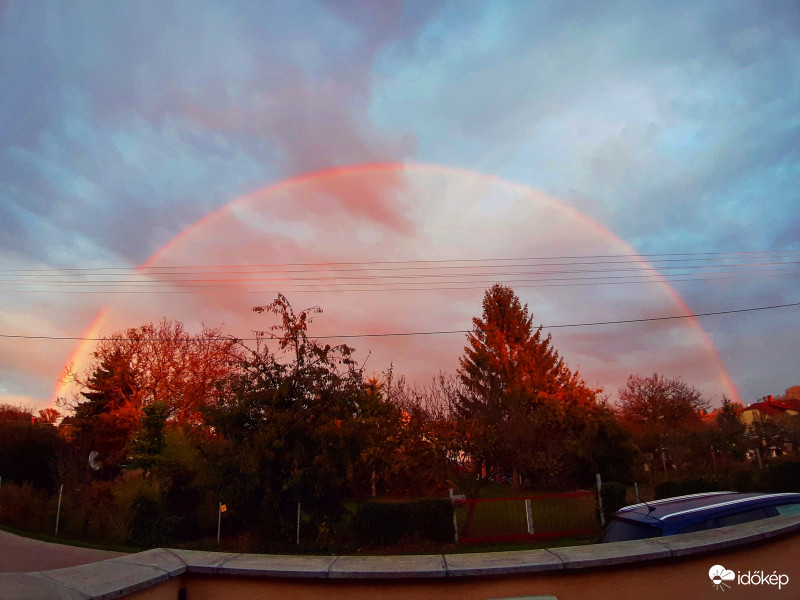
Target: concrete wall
x=669 y=567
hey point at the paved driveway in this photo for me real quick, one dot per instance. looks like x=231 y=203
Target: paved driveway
x=19 y=554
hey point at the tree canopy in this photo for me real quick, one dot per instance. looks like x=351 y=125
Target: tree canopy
x=519 y=402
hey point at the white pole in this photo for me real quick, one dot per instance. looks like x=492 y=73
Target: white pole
x=219 y=521
x=600 y=500
x=58 y=510
x=529 y=515
x=455 y=520
x=298 y=523
x=636 y=488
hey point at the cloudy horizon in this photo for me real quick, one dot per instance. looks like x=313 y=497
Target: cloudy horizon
x=515 y=130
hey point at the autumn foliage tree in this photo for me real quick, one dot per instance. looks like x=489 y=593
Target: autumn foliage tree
x=299 y=424
x=520 y=403
x=664 y=414
x=150 y=364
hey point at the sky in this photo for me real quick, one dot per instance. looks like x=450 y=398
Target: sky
x=388 y=162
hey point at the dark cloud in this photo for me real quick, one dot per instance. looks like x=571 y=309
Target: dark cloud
x=675 y=126
x=257 y=93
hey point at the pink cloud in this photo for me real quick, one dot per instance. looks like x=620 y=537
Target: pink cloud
x=420 y=213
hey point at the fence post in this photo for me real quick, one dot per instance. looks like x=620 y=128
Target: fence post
x=600 y=500
x=298 y=523
x=529 y=515
x=58 y=510
x=636 y=488
x=455 y=520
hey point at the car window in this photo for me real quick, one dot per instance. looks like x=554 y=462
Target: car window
x=789 y=509
x=746 y=516
x=696 y=527
x=620 y=531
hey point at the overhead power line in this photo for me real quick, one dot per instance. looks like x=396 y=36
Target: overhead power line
x=160 y=279
x=683 y=256
x=396 y=278
x=413 y=333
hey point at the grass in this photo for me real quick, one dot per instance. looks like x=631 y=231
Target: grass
x=550 y=515
x=57 y=540
x=490 y=518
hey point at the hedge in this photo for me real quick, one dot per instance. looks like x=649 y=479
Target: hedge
x=386 y=523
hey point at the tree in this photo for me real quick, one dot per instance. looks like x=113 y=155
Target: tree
x=297 y=425
x=662 y=413
x=729 y=435
x=147 y=365
x=28 y=449
x=519 y=399
x=49 y=416
x=659 y=405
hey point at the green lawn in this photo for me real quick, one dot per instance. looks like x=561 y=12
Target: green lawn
x=507 y=517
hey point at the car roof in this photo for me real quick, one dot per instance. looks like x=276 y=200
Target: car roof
x=698 y=504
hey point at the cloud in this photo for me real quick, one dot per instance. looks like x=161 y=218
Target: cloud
x=673 y=126
x=144 y=125
x=449 y=210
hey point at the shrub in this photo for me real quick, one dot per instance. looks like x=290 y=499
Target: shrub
x=683 y=487
x=381 y=523
x=433 y=519
x=25 y=507
x=386 y=523
x=148 y=527
x=743 y=481
x=783 y=477
x=614 y=496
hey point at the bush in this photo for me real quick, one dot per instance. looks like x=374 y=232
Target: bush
x=433 y=519
x=386 y=523
x=614 y=496
x=783 y=477
x=148 y=527
x=27 y=508
x=743 y=481
x=381 y=523
x=683 y=487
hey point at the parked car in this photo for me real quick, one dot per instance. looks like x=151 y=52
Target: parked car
x=695 y=512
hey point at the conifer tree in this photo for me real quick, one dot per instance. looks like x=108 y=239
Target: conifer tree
x=518 y=398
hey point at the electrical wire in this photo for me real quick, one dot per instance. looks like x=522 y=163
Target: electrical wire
x=631 y=257
x=414 y=333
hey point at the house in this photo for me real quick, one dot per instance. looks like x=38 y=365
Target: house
x=769 y=407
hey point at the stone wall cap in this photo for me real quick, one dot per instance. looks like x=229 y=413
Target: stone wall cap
x=276 y=565
x=31 y=586
x=501 y=563
x=199 y=561
x=118 y=577
x=388 y=567
x=614 y=553
x=113 y=578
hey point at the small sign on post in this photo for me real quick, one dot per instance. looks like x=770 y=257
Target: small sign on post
x=222 y=509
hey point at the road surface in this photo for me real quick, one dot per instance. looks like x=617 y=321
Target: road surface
x=20 y=554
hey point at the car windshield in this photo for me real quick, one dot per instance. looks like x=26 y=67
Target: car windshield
x=619 y=531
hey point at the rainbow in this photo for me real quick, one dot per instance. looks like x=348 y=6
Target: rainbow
x=93 y=331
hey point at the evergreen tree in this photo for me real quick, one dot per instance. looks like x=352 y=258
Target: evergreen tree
x=519 y=400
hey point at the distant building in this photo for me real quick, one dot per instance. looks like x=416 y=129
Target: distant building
x=768 y=407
